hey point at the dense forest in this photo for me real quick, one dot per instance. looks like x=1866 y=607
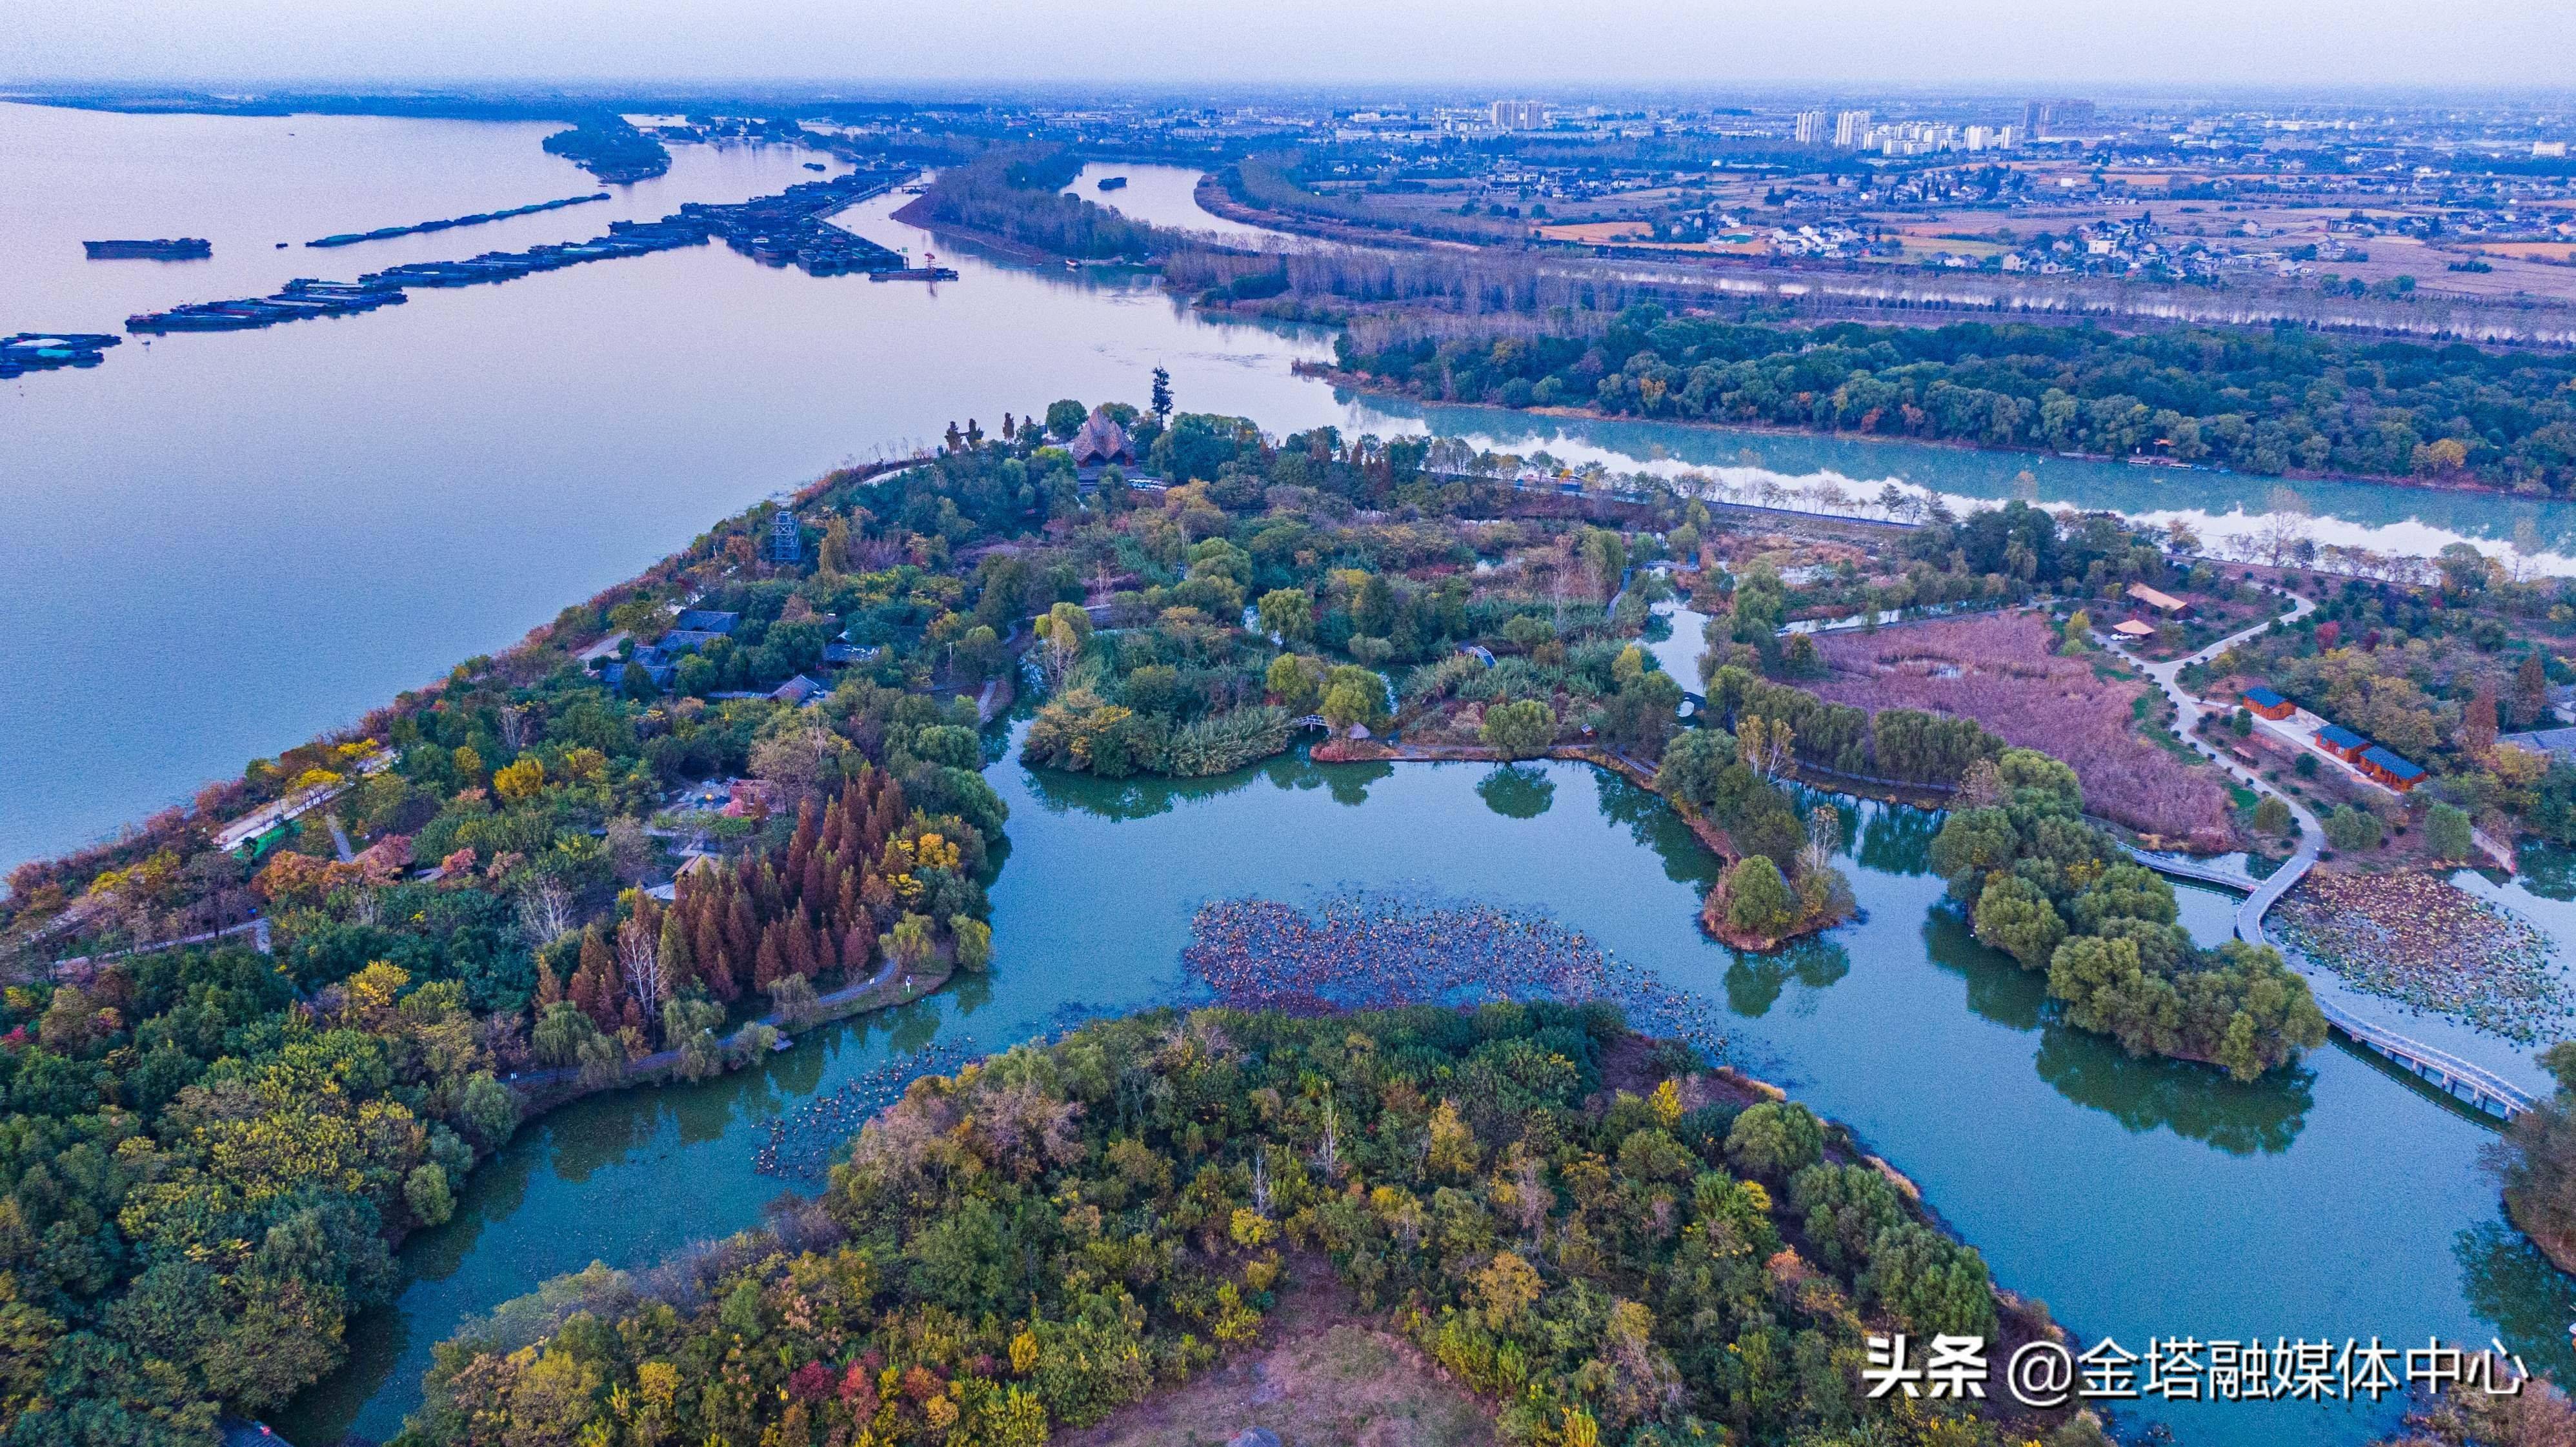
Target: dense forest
x=2268 y=402
x=1058 y=1231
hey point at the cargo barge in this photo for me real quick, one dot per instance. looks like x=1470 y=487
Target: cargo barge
x=183 y=248
x=788 y=229
x=1113 y=183
x=387 y=233
x=302 y=297
x=44 y=351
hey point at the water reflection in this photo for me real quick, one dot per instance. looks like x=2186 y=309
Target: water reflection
x=2384 y=517
x=1754 y=982
x=1517 y=793
x=1896 y=840
x=2510 y=1283
x=2149 y=1092
x=2142 y=1092
x=2549 y=872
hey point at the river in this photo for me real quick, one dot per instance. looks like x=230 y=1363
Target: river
x=223 y=544
x=2135 y=1197
x=1167 y=196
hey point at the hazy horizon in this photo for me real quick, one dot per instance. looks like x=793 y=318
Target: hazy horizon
x=1340 y=46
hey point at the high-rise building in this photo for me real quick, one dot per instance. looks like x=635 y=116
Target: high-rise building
x=1851 y=129
x=1520 y=115
x=1811 y=127
x=2045 y=118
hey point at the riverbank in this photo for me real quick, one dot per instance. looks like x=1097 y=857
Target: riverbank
x=1370 y=384
x=542 y=1091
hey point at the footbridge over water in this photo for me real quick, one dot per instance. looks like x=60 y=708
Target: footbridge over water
x=2473 y=1085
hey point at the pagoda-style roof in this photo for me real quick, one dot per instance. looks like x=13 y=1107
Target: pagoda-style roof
x=1101 y=440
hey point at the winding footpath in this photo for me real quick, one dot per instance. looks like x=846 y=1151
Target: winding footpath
x=2472 y=1084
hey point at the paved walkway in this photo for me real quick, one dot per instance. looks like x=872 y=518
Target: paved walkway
x=2463 y=1080
x=2188 y=712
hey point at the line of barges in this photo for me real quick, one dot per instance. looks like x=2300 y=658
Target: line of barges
x=787 y=229
x=387 y=233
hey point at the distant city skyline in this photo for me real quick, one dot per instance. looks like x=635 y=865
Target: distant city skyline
x=1522 y=46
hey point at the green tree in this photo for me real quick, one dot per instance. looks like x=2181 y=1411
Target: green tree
x=1288 y=613
x=425 y=1191
x=974 y=942
x=1519 y=728
x=2013 y=916
x=1292 y=680
x=1775 y=1140
x=1064 y=418
x=2272 y=815
x=1355 y=695
x=2351 y=829
x=2447 y=833
x=1758 y=899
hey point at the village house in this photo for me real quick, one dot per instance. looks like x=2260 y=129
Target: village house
x=2389 y=769
x=2267 y=703
x=2164 y=603
x=2342 y=742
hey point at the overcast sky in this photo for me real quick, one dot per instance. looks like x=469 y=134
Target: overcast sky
x=1541 y=46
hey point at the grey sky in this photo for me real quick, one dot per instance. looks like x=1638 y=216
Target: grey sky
x=1538 y=45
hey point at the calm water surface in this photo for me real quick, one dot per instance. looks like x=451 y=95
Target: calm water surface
x=1167 y=196
x=222 y=544
x=2135 y=1197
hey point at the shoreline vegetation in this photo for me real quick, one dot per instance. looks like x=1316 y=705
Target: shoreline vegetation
x=1459 y=322
x=2267 y=403
x=601 y=852
x=1593 y=1233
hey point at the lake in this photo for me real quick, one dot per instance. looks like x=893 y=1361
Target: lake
x=2135 y=1197
x=223 y=544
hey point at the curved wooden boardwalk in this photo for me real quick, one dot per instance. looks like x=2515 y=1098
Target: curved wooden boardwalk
x=2471 y=1084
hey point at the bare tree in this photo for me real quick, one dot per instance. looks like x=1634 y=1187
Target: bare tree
x=545 y=911
x=1824 y=835
x=1328 y=1153
x=800 y=764
x=639 y=955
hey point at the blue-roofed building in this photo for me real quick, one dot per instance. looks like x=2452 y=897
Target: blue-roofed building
x=2389 y=769
x=2267 y=703
x=2342 y=742
x=706 y=620
x=687 y=640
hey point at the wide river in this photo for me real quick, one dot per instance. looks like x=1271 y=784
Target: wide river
x=221 y=544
